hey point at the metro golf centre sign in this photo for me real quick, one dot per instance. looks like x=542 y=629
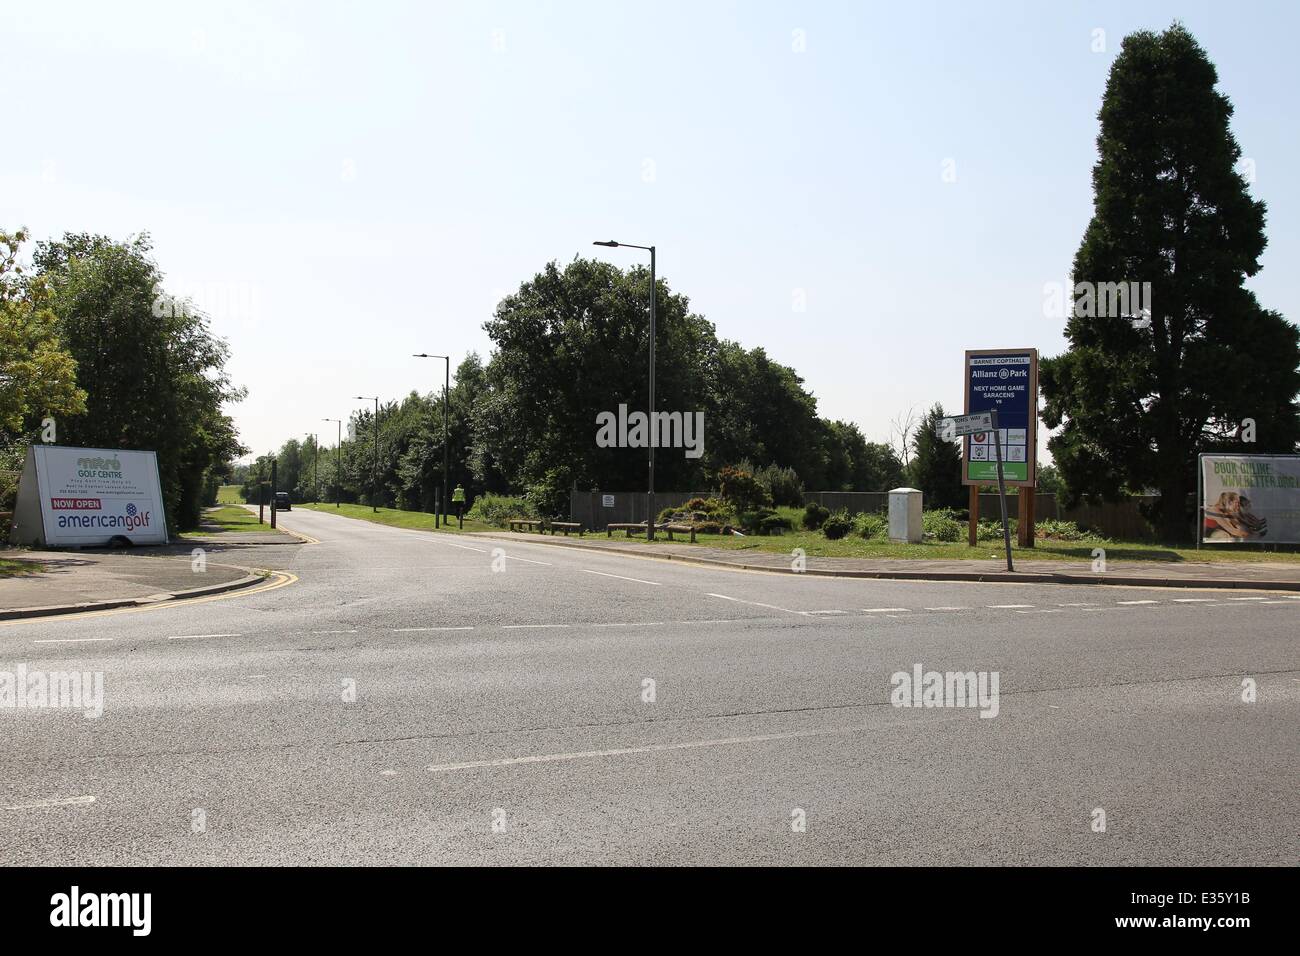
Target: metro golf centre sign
x=88 y=497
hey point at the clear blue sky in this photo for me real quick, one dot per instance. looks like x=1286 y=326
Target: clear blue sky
x=344 y=184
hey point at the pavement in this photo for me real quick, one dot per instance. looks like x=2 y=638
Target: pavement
x=70 y=581
x=402 y=697
x=1277 y=575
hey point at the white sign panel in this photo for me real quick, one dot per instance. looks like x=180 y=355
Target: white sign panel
x=91 y=495
x=1250 y=498
x=968 y=424
x=607 y=501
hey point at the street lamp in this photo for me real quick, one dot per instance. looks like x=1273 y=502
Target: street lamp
x=446 y=456
x=338 y=462
x=374 y=471
x=650 y=496
x=315 y=468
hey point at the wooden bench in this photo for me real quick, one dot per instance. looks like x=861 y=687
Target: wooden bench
x=629 y=527
x=542 y=525
x=680 y=529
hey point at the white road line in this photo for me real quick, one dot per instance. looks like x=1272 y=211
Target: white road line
x=351 y=631
x=1007 y=607
x=1193 y=600
x=1137 y=602
x=1274 y=602
x=409 y=630
x=947 y=609
x=647 y=749
x=828 y=612
x=606 y=574
x=511 y=557
x=772 y=607
x=1247 y=599
x=1048 y=610
x=463 y=547
x=632 y=624
x=885 y=610
x=64 y=802
x=515 y=627
x=1078 y=604
x=73 y=640
x=720 y=620
x=195 y=637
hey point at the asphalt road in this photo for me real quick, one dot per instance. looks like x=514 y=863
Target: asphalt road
x=425 y=698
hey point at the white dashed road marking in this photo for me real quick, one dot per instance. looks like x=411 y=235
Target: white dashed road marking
x=72 y=640
x=195 y=637
x=606 y=574
x=64 y=802
x=410 y=630
x=772 y=607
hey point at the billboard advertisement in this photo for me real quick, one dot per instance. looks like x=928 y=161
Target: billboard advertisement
x=1005 y=381
x=78 y=497
x=1250 y=499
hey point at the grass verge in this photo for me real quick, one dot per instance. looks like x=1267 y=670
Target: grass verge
x=415 y=520
x=816 y=545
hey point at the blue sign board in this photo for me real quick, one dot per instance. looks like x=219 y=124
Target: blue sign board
x=1004 y=381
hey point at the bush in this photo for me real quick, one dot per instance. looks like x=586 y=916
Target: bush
x=774 y=524
x=1064 y=531
x=497 y=510
x=871 y=525
x=942 y=525
x=837 y=525
x=782 y=485
x=990 y=529
x=741 y=491
x=815 y=515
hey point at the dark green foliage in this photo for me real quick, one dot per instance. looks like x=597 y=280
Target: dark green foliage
x=814 y=516
x=1140 y=395
x=837 y=525
x=741 y=491
x=936 y=465
x=872 y=525
x=499 y=509
x=943 y=525
x=154 y=375
x=782 y=485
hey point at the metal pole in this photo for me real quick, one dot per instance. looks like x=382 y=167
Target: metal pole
x=338 y=468
x=315 y=468
x=273 y=483
x=374 y=472
x=446 y=448
x=1002 y=490
x=650 y=496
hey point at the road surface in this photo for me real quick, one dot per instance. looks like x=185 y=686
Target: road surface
x=431 y=698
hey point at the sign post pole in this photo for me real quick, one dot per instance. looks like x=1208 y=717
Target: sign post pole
x=1002 y=491
x=972 y=530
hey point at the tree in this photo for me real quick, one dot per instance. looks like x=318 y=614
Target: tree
x=1148 y=384
x=155 y=377
x=37 y=374
x=936 y=464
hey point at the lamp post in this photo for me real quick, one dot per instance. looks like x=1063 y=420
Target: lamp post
x=446 y=453
x=338 y=463
x=374 y=471
x=650 y=495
